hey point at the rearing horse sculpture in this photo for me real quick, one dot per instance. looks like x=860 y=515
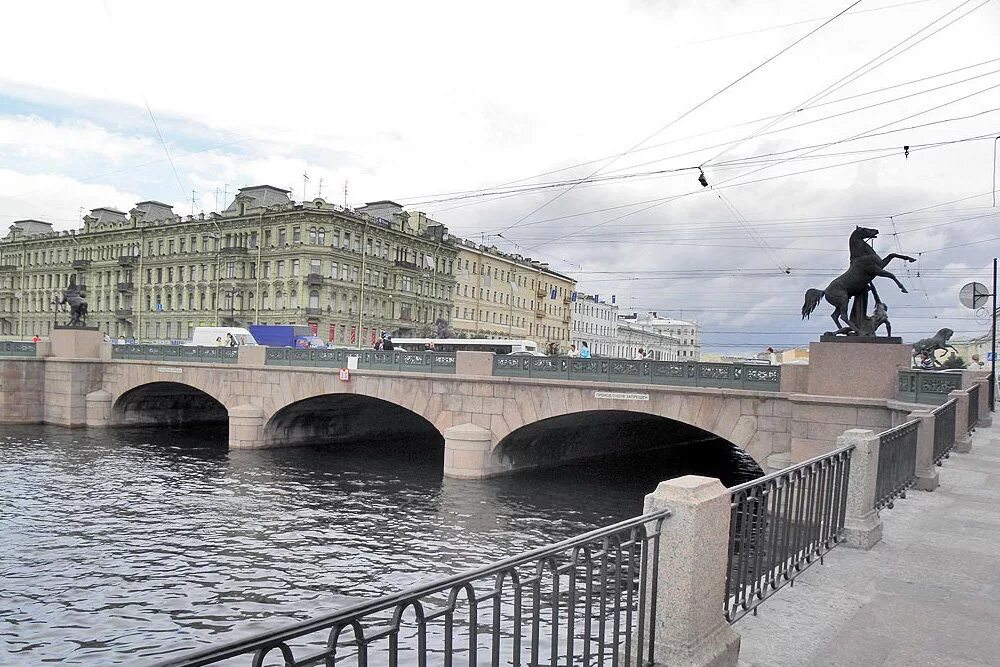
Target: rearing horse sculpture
x=866 y=265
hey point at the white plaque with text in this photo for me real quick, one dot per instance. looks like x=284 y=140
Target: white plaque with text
x=621 y=396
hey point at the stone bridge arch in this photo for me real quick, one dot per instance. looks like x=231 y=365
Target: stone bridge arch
x=743 y=418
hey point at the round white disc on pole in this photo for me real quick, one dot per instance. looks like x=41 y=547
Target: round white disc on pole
x=974 y=295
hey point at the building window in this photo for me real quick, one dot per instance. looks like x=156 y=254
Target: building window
x=312 y=236
x=295 y=267
x=321 y=236
x=296 y=234
x=230 y=269
x=314 y=299
x=281 y=268
x=267 y=269
x=282 y=238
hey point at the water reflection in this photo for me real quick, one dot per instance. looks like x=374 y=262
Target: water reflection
x=123 y=544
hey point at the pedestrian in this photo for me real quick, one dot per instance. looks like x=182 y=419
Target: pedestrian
x=573 y=351
x=107 y=338
x=387 y=343
x=378 y=344
x=231 y=340
x=641 y=354
x=121 y=340
x=219 y=343
x=975 y=364
x=36 y=339
x=584 y=350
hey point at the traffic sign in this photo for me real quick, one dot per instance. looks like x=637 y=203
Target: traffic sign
x=974 y=295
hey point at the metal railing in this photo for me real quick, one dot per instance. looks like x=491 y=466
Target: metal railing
x=392 y=360
x=679 y=373
x=16 y=348
x=586 y=600
x=944 y=430
x=929 y=387
x=897 y=463
x=973 y=406
x=781 y=524
x=182 y=353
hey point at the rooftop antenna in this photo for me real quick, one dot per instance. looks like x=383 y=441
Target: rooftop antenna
x=192 y=202
x=320 y=195
x=345 y=194
x=216 y=199
x=305 y=180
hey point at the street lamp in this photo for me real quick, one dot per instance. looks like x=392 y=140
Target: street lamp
x=232 y=295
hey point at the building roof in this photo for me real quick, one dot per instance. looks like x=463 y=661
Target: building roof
x=383 y=202
x=261 y=195
x=153 y=201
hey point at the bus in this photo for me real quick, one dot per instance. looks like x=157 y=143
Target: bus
x=497 y=346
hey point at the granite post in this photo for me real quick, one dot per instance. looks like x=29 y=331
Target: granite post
x=691 y=629
x=927 y=475
x=862 y=524
x=963 y=441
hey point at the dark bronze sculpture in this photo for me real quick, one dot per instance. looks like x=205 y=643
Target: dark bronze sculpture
x=856 y=283
x=930 y=346
x=77 y=304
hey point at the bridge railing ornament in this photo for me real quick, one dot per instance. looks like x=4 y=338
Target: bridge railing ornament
x=929 y=387
x=781 y=524
x=679 y=373
x=589 y=598
x=18 y=348
x=179 y=353
x=973 y=407
x=897 y=463
x=944 y=430
x=385 y=360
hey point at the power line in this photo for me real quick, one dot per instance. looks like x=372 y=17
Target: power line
x=690 y=111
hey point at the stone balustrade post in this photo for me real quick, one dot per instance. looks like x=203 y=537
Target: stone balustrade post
x=963 y=442
x=985 y=416
x=254 y=356
x=927 y=474
x=862 y=524
x=691 y=628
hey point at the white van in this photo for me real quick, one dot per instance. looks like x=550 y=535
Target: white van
x=208 y=336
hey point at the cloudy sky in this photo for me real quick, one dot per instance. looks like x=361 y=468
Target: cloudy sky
x=570 y=132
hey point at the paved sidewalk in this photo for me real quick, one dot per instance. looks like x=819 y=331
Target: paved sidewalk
x=927 y=594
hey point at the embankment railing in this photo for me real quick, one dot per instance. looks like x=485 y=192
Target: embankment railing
x=897 y=463
x=199 y=354
x=944 y=430
x=388 y=360
x=588 y=596
x=928 y=387
x=782 y=523
x=973 y=406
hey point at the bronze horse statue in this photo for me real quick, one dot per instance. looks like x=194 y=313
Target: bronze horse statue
x=77 y=308
x=930 y=346
x=856 y=282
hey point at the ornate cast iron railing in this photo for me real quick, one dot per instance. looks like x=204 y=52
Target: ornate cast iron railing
x=198 y=354
x=781 y=524
x=588 y=600
x=680 y=373
x=944 y=430
x=897 y=463
x=973 y=406
x=388 y=360
x=17 y=348
x=930 y=387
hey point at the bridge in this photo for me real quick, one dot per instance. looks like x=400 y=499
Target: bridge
x=488 y=411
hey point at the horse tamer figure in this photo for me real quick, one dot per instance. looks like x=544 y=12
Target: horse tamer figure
x=77 y=304
x=856 y=282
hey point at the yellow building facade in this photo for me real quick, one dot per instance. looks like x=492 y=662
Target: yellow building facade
x=498 y=295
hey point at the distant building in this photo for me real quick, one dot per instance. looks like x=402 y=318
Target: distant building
x=500 y=295
x=686 y=332
x=656 y=346
x=154 y=275
x=595 y=322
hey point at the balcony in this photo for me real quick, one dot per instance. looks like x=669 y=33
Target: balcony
x=566 y=300
x=540 y=312
x=234 y=250
x=81 y=263
x=540 y=293
x=123 y=313
x=314 y=313
x=565 y=319
x=314 y=279
x=403 y=264
x=126 y=287
x=126 y=261
x=7 y=268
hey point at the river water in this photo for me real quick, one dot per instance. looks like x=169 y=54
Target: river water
x=129 y=545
